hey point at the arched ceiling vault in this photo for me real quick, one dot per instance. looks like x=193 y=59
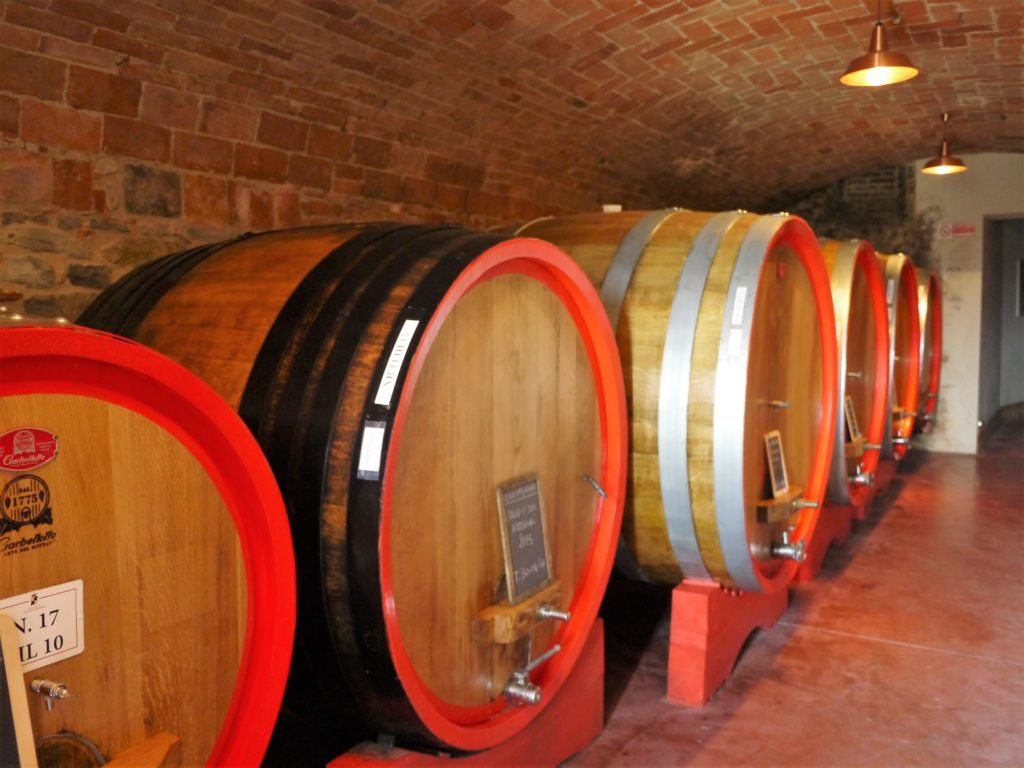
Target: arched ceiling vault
x=712 y=103
x=696 y=101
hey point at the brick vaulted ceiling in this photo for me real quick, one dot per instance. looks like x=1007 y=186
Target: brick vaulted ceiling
x=713 y=103
x=709 y=102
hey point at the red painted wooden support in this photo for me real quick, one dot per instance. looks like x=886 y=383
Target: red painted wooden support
x=861 y=510
x=710 y=624
x=884 y=474
x=573 y=719
x=833 y=528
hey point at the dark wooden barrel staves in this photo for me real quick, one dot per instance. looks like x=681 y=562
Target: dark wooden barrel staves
x=395 y=376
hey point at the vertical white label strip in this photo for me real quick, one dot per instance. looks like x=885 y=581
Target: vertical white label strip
x=370 y=451
x=50 y=622
x=738 y=305
x=735 y=342
x=890 y=291
x=394 y=365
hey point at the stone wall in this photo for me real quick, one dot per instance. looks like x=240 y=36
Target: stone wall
x=877 y=206
x=130 y=129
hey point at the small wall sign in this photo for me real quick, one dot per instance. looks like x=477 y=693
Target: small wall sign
x=524 y=537
x=946 y=231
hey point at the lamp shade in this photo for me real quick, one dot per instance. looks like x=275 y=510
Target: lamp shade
x=879 y=66
x=945 y=163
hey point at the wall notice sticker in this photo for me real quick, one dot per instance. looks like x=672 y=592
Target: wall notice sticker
x=851 y=419
x=50 y=623
x=776 y=463
x=961 y=229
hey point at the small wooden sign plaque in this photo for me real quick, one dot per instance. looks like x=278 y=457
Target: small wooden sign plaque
x=851 y=420
x=776 y=463
x=524 y=537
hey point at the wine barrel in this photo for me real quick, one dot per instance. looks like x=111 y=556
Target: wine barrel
x=904 y=352
x=146 y=553
x=396 y=376
x=862 y=339
x=929 y=304
x=726 y=332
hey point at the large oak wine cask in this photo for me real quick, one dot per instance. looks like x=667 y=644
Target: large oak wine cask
x=145 y=555
x=929 y=304
x=727 y=335
x=862 y=339
x=396 y=376
x=904 y=352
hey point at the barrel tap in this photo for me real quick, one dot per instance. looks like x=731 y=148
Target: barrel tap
x=790 y=550
x=519 y=689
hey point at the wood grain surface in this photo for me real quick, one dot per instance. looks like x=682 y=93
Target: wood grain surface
x=142 y=524
x=785 y=364
x=507 y=390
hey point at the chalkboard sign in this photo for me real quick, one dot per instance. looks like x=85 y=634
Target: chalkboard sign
x=524 y=537
x=16 y=743
x=851 y=420
x=776 y=463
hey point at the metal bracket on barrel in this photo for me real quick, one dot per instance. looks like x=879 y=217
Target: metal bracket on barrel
x=779 y=510
x=504 y=623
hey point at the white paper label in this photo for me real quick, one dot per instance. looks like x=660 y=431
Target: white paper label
x=890 y=291
x=394 y=365
x=776 y=463
x=370 y=451
x=735 y=342
x=737 y=307
x=50 y=622
x=851 y=419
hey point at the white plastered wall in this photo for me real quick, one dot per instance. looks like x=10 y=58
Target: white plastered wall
x=992 y=187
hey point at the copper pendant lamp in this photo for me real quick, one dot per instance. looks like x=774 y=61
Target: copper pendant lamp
x=879 y=66
x=944 y=163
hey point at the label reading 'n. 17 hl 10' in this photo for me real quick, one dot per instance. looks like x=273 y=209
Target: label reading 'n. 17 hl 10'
x=50 y=623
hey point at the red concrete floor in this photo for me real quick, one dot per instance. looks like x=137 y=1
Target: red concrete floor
x=907 y=650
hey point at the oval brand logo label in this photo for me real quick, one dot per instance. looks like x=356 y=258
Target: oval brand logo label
x=26 y=448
